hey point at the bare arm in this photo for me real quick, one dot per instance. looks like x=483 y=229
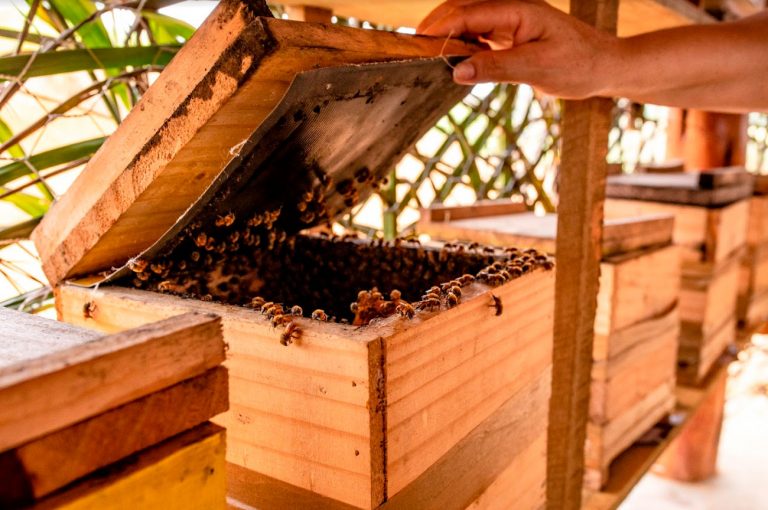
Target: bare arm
x=721 y=67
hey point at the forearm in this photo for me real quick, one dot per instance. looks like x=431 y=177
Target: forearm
x=720 y=67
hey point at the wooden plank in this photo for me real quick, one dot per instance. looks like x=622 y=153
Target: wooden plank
x=682 y=188
x=666 y=167
x=217 y=91
x=705 y=235
x=579 y=245
x=698 y=353
x=185 y=472
x=757 y=231
x=620 y=234
x=437 y=393
x=48 y=463
x=706 y=302
x=53 y=391
x=619 y=341
x=479 y=209
x=636 y=287
x=761 y=185
x=635 y=16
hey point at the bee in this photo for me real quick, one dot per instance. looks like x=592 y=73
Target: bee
x=526 y=267
x=451 y=299
x=301 y=207
x=430 y=295
x=158 y=268
x=201 y=240
x=320 y=315
x=165 y=286
x=473 y=246
x=354 y=307
x=279 y=319
x=292 y=332
x=206 y=297
x=142 y=276
x=267 y=307
x=456 y=289
x=505 y=274
x=257 y=303
x=226 y=220
x=182 y=265
x=138 y=265
x=428 y=304
x=466 y=279
x=515 y=271
x=405 y=310
x=89 y=309
x=296 y=311
x=257 y=220
x=395 y=295
x=234 y=237
x=434 y=290
x=194 y=256
x=548 y=264
x=496 y=303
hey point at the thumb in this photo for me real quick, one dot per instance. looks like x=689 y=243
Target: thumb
x=492 y=65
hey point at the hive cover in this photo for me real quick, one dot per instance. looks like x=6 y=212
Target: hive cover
x=252 y=114
x=711 y=188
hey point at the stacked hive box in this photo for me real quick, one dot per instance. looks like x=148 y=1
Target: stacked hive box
x=711 y=210
x=90 y=421
x=636 y=326
x=420 y=398
x=753 y=284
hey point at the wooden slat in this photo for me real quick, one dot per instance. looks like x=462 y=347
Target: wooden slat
x=185 y=472
x=54 y=460
x=682 y=188
x=619 y=341
x=53 y=391
x=479 y=209
x=620 y=234
x=635 y=16
x=195 y=118
x=579 y=245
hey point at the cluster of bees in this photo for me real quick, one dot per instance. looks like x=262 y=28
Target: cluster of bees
x=324 y=273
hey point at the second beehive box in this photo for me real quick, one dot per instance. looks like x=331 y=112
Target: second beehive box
x=636 y=324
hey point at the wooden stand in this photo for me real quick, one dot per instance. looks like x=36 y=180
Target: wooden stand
x=753 y=282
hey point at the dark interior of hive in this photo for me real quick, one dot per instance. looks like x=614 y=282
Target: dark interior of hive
x=328 y=145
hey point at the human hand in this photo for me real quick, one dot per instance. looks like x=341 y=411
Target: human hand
x=529 y=42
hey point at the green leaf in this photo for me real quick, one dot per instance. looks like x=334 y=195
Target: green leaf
x=9 y=235
x=5 y=134
x=92 y=34
x=30 y=204
x=167 y=30
x=51 y=158
x=10 y=33
x=67 y=61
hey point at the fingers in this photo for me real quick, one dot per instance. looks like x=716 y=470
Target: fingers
x=495 y=66
x=476 y=18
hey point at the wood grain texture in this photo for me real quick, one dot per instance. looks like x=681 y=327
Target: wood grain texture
x=757 y=230
x=526 y=229
x=357 y=414
x=53 y=391
x=705 y=235
x=54 y=460
x=185 y=472
x=635 y=287
x=688 y=188
x=579 y=247
x=219 y=88
x=693 y=454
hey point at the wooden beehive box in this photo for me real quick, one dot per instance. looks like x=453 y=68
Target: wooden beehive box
x=636 y=324
x=120 y=421
x=753 y=282
x=401 y=401
x=711 y=209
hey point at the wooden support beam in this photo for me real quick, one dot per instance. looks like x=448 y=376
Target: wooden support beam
x=580 y=222
x=692 y=456
x=309 y=13
x=707 y=140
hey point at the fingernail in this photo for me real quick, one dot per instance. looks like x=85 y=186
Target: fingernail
x=464 y=71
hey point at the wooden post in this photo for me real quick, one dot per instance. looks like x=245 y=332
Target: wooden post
x=580 y=221
x=309 y=13
x=692 y=456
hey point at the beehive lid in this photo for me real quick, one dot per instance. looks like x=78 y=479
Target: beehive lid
x=761 y=185
x=527 y=229
x=710 y=188
x=250 y=115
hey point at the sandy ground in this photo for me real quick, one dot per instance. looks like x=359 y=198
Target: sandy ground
x=742 y=477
